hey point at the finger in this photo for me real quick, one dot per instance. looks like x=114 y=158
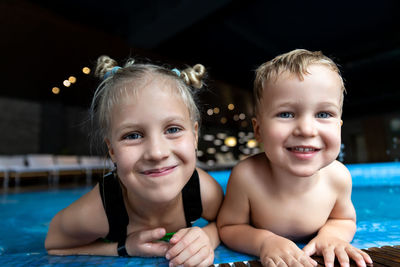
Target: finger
x=343 y=258
x=204 y=255
x=357 y=255
x=207 y=262
x=187 y=252
x=154 y=249
x=313 y=262
x=268 y=262
x=291 y=261
x=366 y=257
x=279 y=262
x=310 y=249
x=329 y=256
x=151 y=235
x=181 y=242
x=307 y=261
x=178 y=236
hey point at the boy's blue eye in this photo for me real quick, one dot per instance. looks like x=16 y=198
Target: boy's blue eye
x=285 y=115
x=323 y=115
x=133 y=136
x=173 y=130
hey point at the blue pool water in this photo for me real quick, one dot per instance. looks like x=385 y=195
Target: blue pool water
x=25 y=218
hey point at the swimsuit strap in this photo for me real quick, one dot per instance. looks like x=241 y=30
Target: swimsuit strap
x=191 y=197
x=113 y=202
x=118 y=220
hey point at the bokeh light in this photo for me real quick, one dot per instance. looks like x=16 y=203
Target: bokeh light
x=86 y=70
x=55 y=90
x=230 y=141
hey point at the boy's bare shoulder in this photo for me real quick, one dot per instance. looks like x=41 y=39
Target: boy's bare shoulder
x=339 y=176
x=253 y=167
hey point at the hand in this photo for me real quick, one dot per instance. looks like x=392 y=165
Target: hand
x=190 y=247
x=329 y=247
x=146 y=244
x=279 y=251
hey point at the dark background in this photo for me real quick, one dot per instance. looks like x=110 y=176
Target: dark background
x=44 y=42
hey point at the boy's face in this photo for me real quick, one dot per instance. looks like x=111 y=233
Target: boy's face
x=299 y=121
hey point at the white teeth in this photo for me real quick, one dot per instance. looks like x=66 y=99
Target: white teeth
x=303 y=149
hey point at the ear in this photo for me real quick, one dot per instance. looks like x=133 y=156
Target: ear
x=110 y=150
x=341 y=122
x=256 y=129
x=196 y=133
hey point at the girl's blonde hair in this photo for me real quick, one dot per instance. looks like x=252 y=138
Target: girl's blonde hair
x=120 y=82
x=295 y=62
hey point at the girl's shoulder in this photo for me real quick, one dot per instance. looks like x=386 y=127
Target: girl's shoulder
x=87 y=213
x=207 y=182
x=211 y=195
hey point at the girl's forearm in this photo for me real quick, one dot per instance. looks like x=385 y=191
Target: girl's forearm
x=96 y=248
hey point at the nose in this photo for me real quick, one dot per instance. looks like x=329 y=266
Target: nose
x=306 y=127
x=156 y=149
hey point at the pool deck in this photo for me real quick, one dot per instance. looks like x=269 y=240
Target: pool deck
x=383 y=256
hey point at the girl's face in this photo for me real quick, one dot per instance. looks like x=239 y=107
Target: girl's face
x=153 y=142
x=299 y=121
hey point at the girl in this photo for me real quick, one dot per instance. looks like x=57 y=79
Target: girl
x=149 y=122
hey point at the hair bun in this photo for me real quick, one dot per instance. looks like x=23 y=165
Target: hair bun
x=104 y=64
x=193 y=75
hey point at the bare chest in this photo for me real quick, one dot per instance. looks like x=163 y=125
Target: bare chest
x=293 y=217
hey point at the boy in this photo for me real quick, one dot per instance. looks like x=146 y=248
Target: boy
x=295 y=190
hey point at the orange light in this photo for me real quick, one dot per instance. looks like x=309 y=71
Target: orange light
x=55 y=90
x=86 y=70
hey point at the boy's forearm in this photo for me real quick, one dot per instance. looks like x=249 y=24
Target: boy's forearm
x=212 y=233
x=95 y=248
x=340 y=228
x=244 y=238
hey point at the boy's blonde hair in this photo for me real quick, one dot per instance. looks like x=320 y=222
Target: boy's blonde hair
x=295 y=62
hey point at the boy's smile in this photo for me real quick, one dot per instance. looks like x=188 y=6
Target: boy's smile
x=299 y=120
x=303 y=152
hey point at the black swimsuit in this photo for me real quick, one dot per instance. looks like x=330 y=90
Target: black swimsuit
x=113 y=202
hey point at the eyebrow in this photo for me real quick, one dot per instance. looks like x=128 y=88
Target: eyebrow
x=167 y=120
x=291 y=103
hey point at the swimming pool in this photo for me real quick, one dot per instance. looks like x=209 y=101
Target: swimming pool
x=25 y=218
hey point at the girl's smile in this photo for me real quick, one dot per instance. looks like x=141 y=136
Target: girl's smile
x=159 y=171
x=153 y=142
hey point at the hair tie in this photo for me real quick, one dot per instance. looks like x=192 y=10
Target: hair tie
x=111 y=72
x=176 y=71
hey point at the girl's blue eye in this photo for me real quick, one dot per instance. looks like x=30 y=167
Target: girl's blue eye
x=133 y=136
x=323 y=115
x=285 y=115
x=173 y=130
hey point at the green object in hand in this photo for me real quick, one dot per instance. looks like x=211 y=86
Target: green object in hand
x=167 y=237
